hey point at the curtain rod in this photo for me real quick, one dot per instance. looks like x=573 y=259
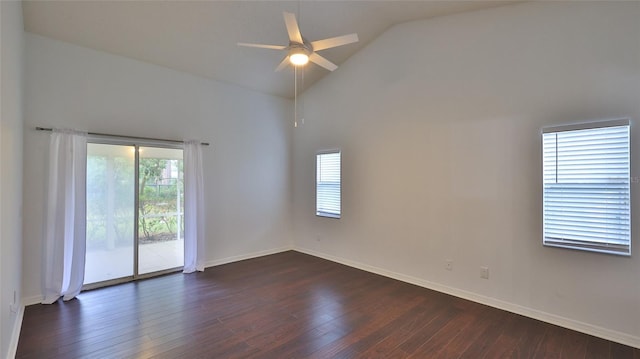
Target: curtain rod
x=124 y=136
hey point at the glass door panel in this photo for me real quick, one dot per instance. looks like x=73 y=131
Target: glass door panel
x=110 y=212
x=160 y=209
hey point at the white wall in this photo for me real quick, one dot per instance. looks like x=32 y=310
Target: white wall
x=246 y=169
x=11 y=122
x=439 y=124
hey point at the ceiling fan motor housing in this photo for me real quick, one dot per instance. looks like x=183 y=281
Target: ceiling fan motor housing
x=297 y=47
x=299 y=53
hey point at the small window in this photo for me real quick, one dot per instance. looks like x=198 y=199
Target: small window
x=586 y=185
x=328 y=184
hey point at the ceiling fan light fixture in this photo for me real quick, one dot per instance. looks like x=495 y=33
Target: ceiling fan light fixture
x=298 y=57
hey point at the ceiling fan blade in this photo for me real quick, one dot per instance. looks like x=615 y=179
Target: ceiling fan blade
x=321 y=61
x=283 y=64
x=292 y=28
x=334 y=42
x=273 y=47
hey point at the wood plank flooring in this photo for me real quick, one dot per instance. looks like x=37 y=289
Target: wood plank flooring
x=290 y=305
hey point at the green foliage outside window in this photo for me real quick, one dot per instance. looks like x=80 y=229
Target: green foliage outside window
x=111 y=179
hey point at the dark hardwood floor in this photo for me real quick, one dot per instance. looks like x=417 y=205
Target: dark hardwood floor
x=290 y=305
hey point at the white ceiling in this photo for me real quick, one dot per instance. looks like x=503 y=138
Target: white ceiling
x=199 y=37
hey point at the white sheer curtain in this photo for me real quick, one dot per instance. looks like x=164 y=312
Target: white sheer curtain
x=194 y=250
x=64 y=236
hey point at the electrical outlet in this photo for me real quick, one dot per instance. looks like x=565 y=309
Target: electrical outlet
x=13 y=307
x=484 y=272
x=448 y=264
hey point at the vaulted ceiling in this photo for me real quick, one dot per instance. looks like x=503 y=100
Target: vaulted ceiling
x=200 y=37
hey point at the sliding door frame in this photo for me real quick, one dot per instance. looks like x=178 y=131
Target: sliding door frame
x=136 y=144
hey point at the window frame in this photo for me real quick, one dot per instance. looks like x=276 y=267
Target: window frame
x=324 y=214
x=575 y=243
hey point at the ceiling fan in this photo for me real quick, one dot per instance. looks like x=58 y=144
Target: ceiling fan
x=300 y=51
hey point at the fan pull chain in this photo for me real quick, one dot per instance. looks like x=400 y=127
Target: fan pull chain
x=302 y=104
x=295 y=96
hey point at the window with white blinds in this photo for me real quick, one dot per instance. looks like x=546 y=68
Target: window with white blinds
x=586 y=184
x=328 y=184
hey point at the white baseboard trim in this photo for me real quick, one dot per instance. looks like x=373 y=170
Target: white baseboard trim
x=242 y=257
x=579 y=326
x=15 y=334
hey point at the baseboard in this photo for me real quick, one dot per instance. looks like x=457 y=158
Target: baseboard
x=15 y=334
x=242 y=257
x=579 y=326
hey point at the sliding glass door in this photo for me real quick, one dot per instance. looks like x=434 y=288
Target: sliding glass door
x=110 y=212
x=160 y=215
x=133 y=230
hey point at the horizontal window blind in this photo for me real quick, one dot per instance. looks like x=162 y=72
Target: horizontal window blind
x=586 y=183
x=328 y=184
